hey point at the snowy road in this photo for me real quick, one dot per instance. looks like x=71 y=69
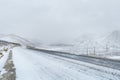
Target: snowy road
x=34 y=65
x=110 y=63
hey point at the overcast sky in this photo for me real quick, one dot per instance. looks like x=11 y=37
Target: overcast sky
x=58 y=20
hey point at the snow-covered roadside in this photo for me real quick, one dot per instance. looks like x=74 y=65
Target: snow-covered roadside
x=34 y=65
x=8 y=72
x=3 y=60
x=114 y=57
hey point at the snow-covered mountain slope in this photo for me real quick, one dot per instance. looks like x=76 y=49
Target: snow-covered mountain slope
x=113 y=39
x=16 y=39
x=92 y=44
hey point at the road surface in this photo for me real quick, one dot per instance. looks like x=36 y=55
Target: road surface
x=114 y=64
x=36 y=65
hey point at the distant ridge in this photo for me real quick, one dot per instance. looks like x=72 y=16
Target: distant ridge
x=16 y=39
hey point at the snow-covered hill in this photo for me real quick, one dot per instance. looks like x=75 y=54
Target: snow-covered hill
x=16 y=39
x=113 y=39
x=109 y=44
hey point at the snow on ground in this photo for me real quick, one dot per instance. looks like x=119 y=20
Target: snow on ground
x=114 y=57
x=34 y=65
x=3 y=60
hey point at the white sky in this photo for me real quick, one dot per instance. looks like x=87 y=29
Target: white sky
x=58 y=20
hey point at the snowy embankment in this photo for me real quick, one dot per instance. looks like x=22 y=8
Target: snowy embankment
x=8 y=71
x=34 y=65
x=114 y=57
x=3 y=60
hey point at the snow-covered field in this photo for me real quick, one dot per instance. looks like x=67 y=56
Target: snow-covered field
x=34 y=65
